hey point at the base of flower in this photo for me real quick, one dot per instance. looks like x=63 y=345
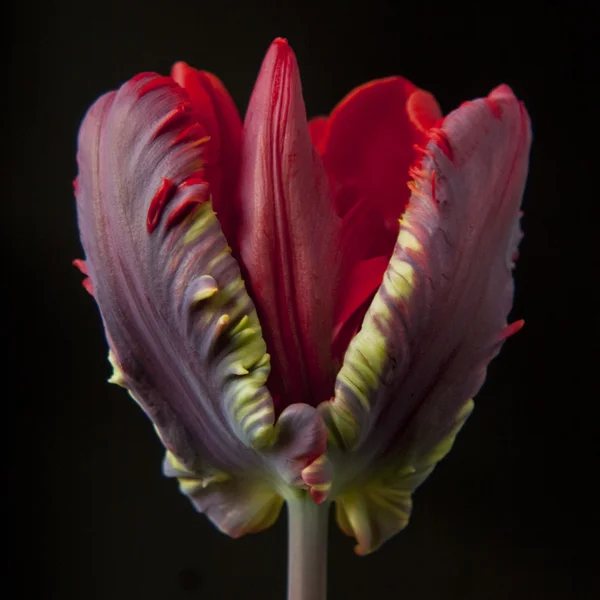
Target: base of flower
x=307 y=548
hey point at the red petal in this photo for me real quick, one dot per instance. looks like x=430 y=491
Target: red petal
x=289 y=240
x=423 y=110
x=317 y=128
x=213 y=107
x=367 y=147
x=370 y=140
x=361 y=285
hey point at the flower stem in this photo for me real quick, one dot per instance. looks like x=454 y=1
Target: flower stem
x=307 y=548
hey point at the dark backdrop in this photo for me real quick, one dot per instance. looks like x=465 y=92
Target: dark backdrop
x=507 y=516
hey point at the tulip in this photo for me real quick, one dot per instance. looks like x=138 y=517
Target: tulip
x=304 y=310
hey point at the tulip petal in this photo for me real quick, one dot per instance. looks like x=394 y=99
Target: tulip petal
x=251 y=501
x=440 y=314
x=180 y=324
x=367 y=146
x=298 y=455
x=376 y=508
x=215 y=109
x=240 y=505
x=184 y=336
x=289 y=247
x=369 y=140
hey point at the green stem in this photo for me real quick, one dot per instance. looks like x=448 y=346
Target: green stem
x=307 y=548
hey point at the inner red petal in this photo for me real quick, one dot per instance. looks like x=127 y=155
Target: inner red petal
x=367 y=146
x=360 y=286
x=213 y=107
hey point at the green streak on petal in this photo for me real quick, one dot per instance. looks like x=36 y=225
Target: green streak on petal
x=245 y=366
x=191 y=482
x=407 y=240
x=368 y=354
x=197 y=222
x=264 y=437
x=379 y=507
x=207 y=288
x=271 y=507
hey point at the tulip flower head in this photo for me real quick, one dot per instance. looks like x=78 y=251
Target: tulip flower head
x=304 y=309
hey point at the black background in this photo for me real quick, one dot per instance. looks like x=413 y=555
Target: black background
x=508 y=515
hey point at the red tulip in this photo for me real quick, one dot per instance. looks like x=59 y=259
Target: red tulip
x=370 y=253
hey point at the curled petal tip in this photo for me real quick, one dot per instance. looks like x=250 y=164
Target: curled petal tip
x=178 y=69
x=301 y=441
x=317 y=476
x=423 y=110
x=503 y=91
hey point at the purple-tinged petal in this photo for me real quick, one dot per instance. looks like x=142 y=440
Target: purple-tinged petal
x=378 y=505
x=236 y=505
x=299 y=452
x=184 y=336
x=251 y=500
x=289 y=244
x=440 y=314
x=180 y=324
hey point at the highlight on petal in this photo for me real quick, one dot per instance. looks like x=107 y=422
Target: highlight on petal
x=440 y=314
x=289 y=245
x=183 y=334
